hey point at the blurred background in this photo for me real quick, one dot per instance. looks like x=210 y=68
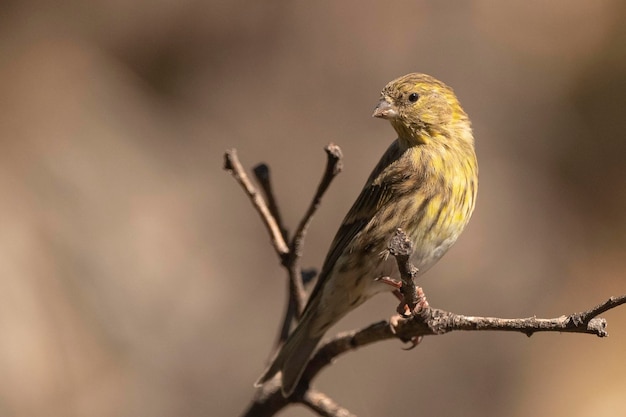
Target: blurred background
x=137 y=280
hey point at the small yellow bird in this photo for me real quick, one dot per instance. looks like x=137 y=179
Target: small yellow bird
x=425 y=183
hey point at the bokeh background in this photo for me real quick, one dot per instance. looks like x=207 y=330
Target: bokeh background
x=136 y=279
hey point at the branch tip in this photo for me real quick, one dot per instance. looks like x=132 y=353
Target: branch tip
x=335 y=157
x=228 y=159
x=400 y=245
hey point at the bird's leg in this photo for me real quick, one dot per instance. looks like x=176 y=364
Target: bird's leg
x=403 y=309
x=394 y=283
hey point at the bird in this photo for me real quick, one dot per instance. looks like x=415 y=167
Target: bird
x=425 y=183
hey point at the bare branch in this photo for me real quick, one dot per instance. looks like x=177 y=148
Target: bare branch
x=441 y=322
x=431 y=321
x=233 y=166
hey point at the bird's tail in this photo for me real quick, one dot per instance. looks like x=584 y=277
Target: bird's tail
x=293 y=356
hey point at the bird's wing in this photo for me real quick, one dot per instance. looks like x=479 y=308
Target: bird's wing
x=375 y=194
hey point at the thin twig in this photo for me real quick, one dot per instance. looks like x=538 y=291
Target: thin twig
x=233 y=166
x=323 y=405
x=587 y=316
x=333 y=168
x=262 y=174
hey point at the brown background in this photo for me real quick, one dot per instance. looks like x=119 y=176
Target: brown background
x=136 y=280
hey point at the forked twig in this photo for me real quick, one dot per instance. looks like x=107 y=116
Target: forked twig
x=232 y=165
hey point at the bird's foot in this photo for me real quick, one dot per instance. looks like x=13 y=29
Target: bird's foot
x=404 y=309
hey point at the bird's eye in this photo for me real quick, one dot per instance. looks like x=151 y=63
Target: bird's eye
x=413 y=97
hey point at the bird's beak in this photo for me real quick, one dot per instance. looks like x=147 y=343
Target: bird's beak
x=385 y=110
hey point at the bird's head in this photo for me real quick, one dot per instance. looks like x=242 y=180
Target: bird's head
x=422 y=109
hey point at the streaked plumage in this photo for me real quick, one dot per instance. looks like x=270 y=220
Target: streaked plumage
x=425 y=183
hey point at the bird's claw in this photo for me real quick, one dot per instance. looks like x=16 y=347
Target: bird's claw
x=394 y=322
x=415 y=340
x=404 y=310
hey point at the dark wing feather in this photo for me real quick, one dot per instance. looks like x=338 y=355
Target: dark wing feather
x=374 y=195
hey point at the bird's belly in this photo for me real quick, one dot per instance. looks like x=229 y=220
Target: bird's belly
x=424 y=259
